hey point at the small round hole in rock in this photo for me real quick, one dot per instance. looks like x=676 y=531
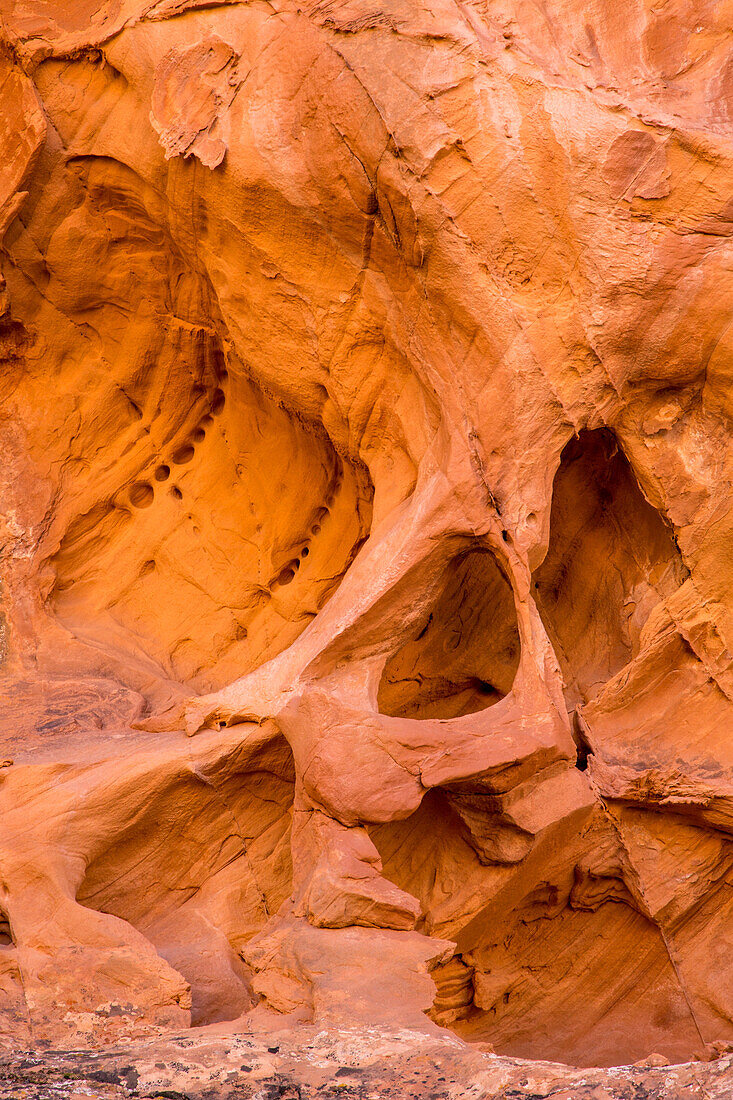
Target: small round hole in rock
x=286 y=576
x=183 y=455
x=218 y=401
x=176 y=493
x=141 y=494
x=162 y=473
x=199 y=435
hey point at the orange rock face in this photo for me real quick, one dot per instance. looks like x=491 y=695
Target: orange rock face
x=366 y=637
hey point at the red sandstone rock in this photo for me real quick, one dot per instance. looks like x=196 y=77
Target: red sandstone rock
x=366 y=417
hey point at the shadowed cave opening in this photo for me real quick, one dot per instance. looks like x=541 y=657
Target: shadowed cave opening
x=6 y=935
x=465 y=654
x=611 y=558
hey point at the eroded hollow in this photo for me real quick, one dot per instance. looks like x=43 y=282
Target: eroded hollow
x=465 y=654
x=200 y=862
x=6 y=936
x=611 y=559
x=195 y=580
x=178 y=543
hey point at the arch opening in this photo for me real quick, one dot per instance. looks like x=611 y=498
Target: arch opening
x=465 y=653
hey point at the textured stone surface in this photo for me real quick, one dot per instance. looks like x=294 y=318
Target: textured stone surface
x=366 y=522
x=397 y=1064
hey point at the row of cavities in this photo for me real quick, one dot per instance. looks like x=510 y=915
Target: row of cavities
x=288 y=571
x=142 y=493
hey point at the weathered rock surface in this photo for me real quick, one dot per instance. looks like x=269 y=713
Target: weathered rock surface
x=352 y=1063
x=366 y=527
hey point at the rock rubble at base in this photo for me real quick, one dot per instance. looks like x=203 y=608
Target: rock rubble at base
x=368 y=1064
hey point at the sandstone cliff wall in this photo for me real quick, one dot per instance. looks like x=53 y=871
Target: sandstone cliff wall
x=367 y=520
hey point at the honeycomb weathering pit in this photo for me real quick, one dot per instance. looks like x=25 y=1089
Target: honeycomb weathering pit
x=366 y=674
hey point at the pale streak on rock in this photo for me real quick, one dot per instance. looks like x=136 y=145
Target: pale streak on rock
x=193 y=90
